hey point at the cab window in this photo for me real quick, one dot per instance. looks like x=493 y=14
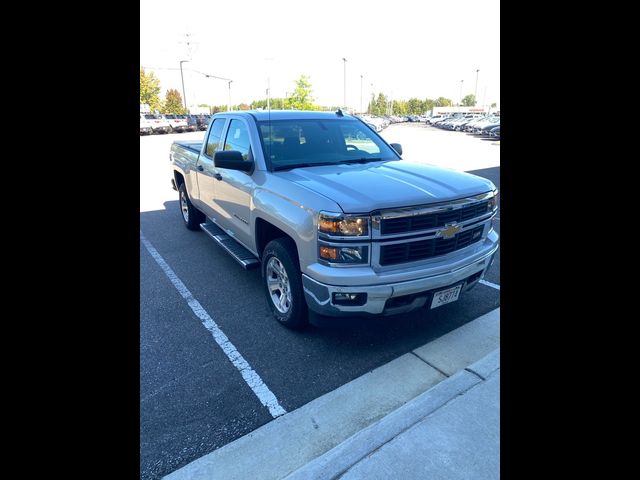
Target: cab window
x=215 y=133
x=238 y=138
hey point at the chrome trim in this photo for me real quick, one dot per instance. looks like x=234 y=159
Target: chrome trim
x=419 y=234
x=376 y=218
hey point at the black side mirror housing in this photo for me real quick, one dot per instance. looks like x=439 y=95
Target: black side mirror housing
x=232 y=159
x=397 y=147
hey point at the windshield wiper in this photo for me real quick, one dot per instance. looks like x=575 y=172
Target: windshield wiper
x=361 y=160
x=300 y=165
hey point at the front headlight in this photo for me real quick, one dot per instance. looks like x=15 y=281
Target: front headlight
x=340 y=225
x=493 y=202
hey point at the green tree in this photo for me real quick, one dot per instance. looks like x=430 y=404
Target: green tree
x=173 y=103
x=494 y=105
x=400 y=107
x=258 y=104
x=469 y=100
x=301 y=98
x=443 y=102
x=380 y=105
x=149 y=90
x=428 y=104
x=415 y=106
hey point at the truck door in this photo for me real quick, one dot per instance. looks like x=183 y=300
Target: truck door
x=205 y=170
x=234 y=188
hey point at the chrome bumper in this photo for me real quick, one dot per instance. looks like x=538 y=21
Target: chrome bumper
x=319 y=296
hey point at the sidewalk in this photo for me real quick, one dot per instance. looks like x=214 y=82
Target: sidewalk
x=431 y=413
x=459 y=439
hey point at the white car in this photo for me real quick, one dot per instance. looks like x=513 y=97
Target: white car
x=145 y=126
x=158 y=123
x=178 y=123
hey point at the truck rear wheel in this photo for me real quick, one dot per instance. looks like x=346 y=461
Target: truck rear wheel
x=283 y=283
x=191 y=215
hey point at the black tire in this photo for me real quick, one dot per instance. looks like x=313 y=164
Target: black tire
x=283 y=251
x=191 y=216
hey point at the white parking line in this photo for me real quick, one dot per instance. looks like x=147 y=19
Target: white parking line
x=489 y=284
x=266 y=397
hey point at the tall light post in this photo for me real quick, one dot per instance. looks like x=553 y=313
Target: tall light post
x=372 y=99
x=460 y=102
x=344 y=102
x=184 y=95
x=220 y=78
x=360 y=93
x=475 y=92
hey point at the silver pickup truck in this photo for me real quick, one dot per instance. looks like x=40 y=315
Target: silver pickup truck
x=332 y=215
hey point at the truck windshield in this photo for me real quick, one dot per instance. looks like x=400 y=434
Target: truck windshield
x=309 y=142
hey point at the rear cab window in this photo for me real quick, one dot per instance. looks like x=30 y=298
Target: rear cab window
x=215 y=134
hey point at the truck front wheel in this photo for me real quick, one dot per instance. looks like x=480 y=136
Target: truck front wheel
x=283 y=283
x=191 y=215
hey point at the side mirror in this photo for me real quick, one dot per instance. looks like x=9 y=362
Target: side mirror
x=232 y=159
x=397 y=147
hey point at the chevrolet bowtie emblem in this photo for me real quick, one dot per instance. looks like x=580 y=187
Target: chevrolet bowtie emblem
x=449 y=230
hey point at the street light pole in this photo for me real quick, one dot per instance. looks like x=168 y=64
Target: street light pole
x=475 y=92
x=344 y=102
x=229 y=105
x=460 y=102
x=184 y=95
x=372 y=99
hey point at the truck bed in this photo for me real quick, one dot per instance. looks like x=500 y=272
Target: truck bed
x=193 y=146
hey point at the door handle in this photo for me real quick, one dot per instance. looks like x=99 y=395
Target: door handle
x=217 y=176
x=201 y=168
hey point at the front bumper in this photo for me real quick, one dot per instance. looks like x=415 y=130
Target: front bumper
x=398 y=297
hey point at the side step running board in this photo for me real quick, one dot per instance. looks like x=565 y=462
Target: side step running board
x=243 y=256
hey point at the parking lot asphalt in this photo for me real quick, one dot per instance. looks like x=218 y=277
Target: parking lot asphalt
x=192 y=399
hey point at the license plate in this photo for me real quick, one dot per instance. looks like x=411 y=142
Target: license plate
x=446 y=296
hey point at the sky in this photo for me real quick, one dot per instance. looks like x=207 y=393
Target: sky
x=403 y=48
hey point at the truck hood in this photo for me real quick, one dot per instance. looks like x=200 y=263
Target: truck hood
x=380 y=185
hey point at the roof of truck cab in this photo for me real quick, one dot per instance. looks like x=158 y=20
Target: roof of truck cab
x=263 y=115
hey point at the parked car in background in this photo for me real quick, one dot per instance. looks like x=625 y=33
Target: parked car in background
x=159 y=124
x=145 y=126
x=203 y=121
x=435 y=118
x=178 y=123
x=489 y=121
x=495 y=132
x=487 y=128
x=192 y=123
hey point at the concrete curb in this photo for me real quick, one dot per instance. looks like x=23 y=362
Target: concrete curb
x=341 y=458
x=390 y=395
x=487 y=365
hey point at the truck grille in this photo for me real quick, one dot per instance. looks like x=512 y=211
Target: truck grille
x=389 y=226
x=432 y=247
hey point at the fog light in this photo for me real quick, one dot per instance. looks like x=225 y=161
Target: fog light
x=354 y=299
